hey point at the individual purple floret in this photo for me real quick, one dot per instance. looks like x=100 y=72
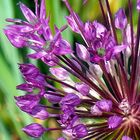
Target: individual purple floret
x=34 y=130
x=80 y=131
x=39 y=112
x=120 y=19
x=104 y=105
x=95 y=110
x=70 y=100
x=114 y=121
x=27 y=102
x=32 y=74
x=104 y=48
x=83 y=88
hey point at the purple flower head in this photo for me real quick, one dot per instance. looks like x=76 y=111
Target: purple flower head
x=68 y=118
x=92 y=89
x=80 y=131
x=36 y=34
x=114 y=121
x=104 y=105
x=126 y=138
x=34 y=130
x=58 y=45
x=120 y=19
x=70 y=100
x=83 y=88
x=39 y=112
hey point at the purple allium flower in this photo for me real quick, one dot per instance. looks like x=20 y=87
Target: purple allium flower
x=114 y=121
x=34 y=130
x=36 y=34
x=98 y=95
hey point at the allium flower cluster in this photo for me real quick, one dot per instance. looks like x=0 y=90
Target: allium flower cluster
x=104 y=101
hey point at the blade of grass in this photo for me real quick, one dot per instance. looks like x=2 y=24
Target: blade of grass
x=4 y=135
x=10 y=53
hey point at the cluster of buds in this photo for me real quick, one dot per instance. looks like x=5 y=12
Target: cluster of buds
x=102 y=101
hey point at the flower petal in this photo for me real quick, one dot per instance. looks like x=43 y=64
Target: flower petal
x=120 y=19
x=29 y=15
x=16 y=39
x=73 y=24
x=82 y=52
x=42 y=10
x=118 y=49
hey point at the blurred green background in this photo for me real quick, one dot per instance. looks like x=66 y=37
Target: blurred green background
x=11 y=118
